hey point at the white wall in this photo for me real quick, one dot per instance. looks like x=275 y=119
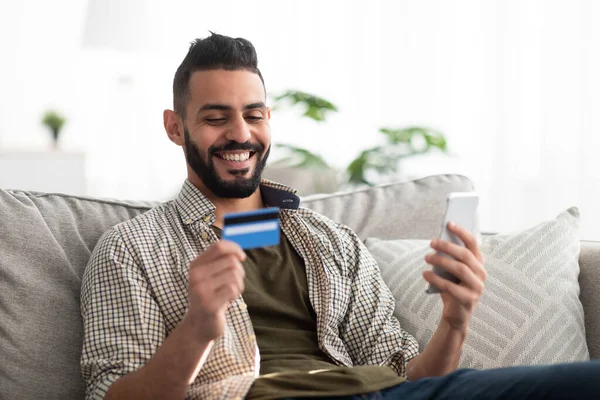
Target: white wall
x=512 y=83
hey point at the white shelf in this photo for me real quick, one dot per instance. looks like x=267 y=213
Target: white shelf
x=43 y=171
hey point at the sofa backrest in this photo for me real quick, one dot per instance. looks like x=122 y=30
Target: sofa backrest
x=408 y=210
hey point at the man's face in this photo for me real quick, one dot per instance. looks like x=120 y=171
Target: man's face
x=227 y=133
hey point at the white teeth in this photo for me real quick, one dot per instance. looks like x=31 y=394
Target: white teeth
x=235 y=157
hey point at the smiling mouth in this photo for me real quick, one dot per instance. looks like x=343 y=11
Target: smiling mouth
x=235 y=156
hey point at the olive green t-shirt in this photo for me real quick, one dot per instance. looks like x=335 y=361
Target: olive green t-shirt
x=285 y=325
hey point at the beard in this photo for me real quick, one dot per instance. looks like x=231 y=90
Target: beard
x=238 y=188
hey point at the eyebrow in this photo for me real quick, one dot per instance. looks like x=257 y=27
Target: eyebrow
x=224 y=107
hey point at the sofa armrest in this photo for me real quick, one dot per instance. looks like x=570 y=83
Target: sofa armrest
x=589 y=282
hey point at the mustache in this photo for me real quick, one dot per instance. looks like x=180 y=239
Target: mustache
x=232 y=145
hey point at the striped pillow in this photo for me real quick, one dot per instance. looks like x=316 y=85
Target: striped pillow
x=530 y=311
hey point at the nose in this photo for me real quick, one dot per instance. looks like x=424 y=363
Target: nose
x=239 y=131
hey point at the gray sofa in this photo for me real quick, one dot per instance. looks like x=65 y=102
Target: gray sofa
x=46 y=240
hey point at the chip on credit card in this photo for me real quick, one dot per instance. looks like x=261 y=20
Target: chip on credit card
x=253 y=229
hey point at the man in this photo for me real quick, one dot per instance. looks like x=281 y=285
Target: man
x=170 y=311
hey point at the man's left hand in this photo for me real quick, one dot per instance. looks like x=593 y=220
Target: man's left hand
x=460 y=299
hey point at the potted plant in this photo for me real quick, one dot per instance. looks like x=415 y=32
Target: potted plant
x=371 y=166
x=55 y=122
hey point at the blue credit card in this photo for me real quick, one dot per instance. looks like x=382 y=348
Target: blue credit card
x=252 y=229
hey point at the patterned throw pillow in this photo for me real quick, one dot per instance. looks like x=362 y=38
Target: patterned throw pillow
x=530 y=311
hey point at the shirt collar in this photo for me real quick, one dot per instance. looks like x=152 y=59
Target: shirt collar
x=194 y=206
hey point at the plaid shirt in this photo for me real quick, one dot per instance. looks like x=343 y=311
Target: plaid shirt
x=134 y=294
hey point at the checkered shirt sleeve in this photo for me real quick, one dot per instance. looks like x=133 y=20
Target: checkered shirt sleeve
x=123 y=324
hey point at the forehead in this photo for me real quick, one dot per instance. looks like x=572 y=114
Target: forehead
x=235 y=88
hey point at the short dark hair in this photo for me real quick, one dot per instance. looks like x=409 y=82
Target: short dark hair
x=214 y=52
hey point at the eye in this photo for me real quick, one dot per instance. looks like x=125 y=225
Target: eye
x=254 y=118
x=215 y=121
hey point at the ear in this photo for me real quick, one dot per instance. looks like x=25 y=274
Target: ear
x=174 y=127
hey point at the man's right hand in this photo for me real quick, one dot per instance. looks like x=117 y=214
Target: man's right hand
x=216 y=277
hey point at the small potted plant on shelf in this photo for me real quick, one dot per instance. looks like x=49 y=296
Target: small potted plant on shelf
x=55 y=122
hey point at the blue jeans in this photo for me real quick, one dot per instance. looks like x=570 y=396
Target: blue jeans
x=561 y=381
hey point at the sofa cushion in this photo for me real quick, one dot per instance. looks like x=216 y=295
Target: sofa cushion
x=45 y=242
x=530 y=311
x=411 y=210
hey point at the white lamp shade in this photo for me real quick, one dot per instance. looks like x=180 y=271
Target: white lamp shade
x=122 y=25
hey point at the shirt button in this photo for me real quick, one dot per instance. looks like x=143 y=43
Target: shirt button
x=207 y=218
x=251 y=338
x=204 y=235
x=188 y=221
x=243 y=306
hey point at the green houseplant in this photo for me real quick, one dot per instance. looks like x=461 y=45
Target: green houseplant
x=55 y=122
x=380 y=161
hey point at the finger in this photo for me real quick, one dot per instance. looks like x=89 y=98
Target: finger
x=479 y=270
x=453 y=250
x=236 y=282
x=461 y=254
x=467 y=238
x=229 y=292
x=462 y=294
x=207 y=288
x=466 y=275
x=225 y=264
x=233 y=267
x=235 y=271
x=219 y=249
x=221 y=298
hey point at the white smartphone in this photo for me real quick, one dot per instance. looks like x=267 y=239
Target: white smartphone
x=461 y=208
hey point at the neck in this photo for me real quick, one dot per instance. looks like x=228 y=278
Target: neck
x=225 y=206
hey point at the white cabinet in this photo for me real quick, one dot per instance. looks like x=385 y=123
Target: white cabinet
x=43 y=171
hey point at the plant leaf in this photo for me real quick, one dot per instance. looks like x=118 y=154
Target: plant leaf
x=316 y=108
x=53 y=120
x=357 y=168
x=400 y=144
